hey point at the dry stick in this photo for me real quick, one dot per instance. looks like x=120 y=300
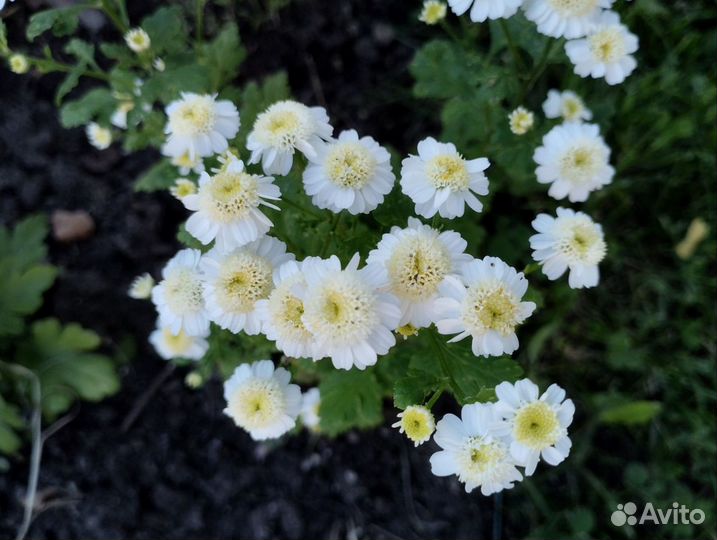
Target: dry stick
x=141 y=403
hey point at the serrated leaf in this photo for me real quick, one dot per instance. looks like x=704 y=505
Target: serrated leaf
x=223 y=56
x=26 y=242
x=166 y=29
x=97 y=102
x=62 y=21
x=227 y=351
x=444 y=70
x=160 y=176
x=68 y=85
x=349 y=399
x=83 y=51
x=414 y=389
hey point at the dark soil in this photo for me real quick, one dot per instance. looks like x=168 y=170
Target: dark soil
x=182 y=469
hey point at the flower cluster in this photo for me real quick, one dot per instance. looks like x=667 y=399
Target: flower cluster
x=598 y=44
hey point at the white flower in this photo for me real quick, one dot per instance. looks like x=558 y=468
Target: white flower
x=18 y=63
x=349 y=174
x=350 y=318
x=486 y=9
x=141 y=287
x=538 y=426
x=418 y=259
x=281 y=313
x=227 y=207
x=179 y=297
x=417 y=423
x=234 y=281
x=566 y=104
x=137 y=40
x=2 y=3
x=119 y=117
x=199 y=125
x=182 y=187
x=573 y=241
x=99 y=137
x=182 y=345
x=439 y=180
x=475 y=449
x=606 y=51
x=310 y=403
x=488 y=307
x=432 y=12
x=521 y=121
x=261 y=400
x=284 y=127
x=186 y=163
x=575 y=160
x=564 y=18
x=159 y=64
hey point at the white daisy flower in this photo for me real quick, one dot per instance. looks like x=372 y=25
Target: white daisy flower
x=417 y=423
x=565 y=18
x=538 y=426
x=475 y=449
x=439 y=180
x=261 y=401
x=310 y=403
x=179 y=297
x=186 y=163
x=566 y=104
x=199 y=125
x=138 y=40
x=349 y=174
x=182 y=345
x=141 y=287
x=99 y=137
x=234 y=281
x=521 y=121
x=571 y=241
x=606 y=51
x=183 y=187
x=18 y=63
x=575 y=160
x=485 y=9
x=418 y=259
x=119 y=117
x=351 y=320
x=432 y=12
x=281 y=313
x=287 y=126
x=227 y=207
x=488 y=307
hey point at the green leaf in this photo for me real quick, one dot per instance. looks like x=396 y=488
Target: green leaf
x=414 y=389
x=68 y=85
x=160 y=176
x=64 y=360
x=349 y=399
x=83 y=51
x=227 y=351
x=26 y=243
x=223 y=56
x=97 y=102
x=166 y=86
x=10 y=423
x=632 y=413
x=444 y=70
x=62 y=21
x=257 y=97
x=166 y=30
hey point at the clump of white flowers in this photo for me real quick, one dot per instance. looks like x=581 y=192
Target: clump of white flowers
x=566 y=104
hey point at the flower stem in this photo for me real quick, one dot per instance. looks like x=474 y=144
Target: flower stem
x=199 y=22
x=518 y=66
x=434 y=398
x=538 y=71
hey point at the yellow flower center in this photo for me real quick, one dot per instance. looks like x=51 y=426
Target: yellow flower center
x=479 y=457
x=491 y=308
x=194 y=117
x=184 y=291
x=608 y=45
x=574 y=8
x=432 y=12
x=178 y=344
x=349 y=165
x=283 y=125
x=448 y=171
x=417 y=423
x=581 y=163
x=417 y=266
x=572 y=108
x=256 y=404
x=231 y=195
x=244 y=278
x=536 y=426
x=583 y=242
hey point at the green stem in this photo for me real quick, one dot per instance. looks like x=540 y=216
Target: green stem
x=542 y=64
x=48 y=65
x=122 y=6
x=334 y=225
x=441 y=354
x=108 y=8
x=199 y=22
x=36 y=455
x=434 y=398
x=296 y=205
x=518 y=66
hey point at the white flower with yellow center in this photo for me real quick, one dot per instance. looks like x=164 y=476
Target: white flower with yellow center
x=18 y=63
x=236 y=280
x=432 y=12
x=310 y=403
x=349 y=174
x=261 y=401
x=565 y=18
x=440 y=180
x=606 y=51
x=287 y=126
x=351 y=320
x=475 y=449
x=281 y=314
x=186 y=164
x=567 y=105
x=138 y=40
x=417 y=423
x=538 y=426
x=179 y=297
x=199 y=125
x=575 y=160
x=99 y=137
x=182 y=345
x=521 y=121
x=487 y=307
x=183 y=187
x=227 y=207
x=573 y=241
x=141 y=287
x=418 y=259
x=486 y=9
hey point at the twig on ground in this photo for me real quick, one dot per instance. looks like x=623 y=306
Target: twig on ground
x=142 y=401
